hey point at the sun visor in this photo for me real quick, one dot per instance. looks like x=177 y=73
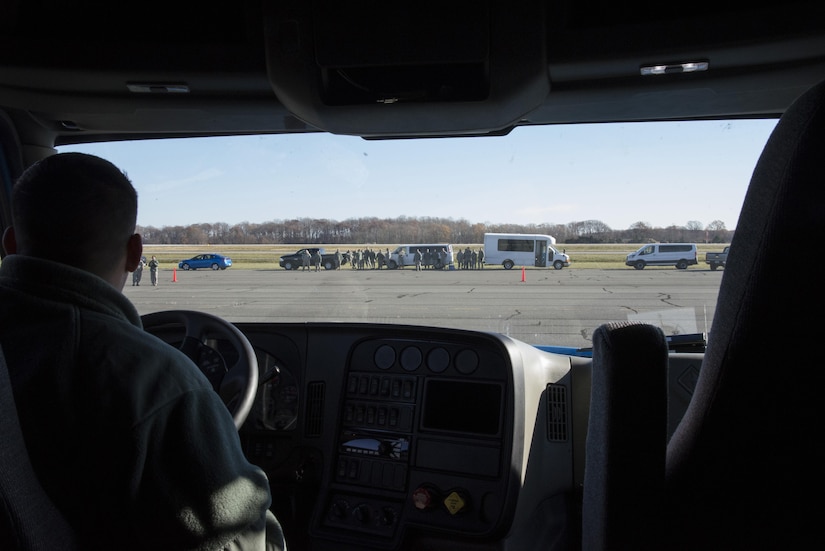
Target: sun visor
x=379 y=69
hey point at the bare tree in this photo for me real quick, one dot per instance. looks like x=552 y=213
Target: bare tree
x=639 y=232
x=412 y=229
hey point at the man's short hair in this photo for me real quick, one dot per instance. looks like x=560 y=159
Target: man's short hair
x=74 y=208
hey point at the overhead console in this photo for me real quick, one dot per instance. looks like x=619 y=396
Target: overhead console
x=428 y=67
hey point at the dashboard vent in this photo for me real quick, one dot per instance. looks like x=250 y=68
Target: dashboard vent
x=556 y=413
x=315 y=409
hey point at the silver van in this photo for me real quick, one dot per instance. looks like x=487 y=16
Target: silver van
x=680 y=255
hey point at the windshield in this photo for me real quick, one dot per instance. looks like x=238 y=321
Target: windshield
x=597 y=192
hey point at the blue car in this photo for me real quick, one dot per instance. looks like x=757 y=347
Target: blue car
x=214 y=261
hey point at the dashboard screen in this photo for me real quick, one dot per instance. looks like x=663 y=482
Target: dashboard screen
x=462 y=406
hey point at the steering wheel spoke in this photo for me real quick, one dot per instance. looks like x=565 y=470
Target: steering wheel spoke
x=236 y=384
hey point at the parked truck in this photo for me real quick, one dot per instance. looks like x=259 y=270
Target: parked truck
x=294 y=261
x=717 y=259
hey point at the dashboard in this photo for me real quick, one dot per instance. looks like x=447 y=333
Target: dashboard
x=383 y=437
x=393 y=437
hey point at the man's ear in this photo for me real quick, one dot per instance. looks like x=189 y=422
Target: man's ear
x=9 y=241
x=134 y=250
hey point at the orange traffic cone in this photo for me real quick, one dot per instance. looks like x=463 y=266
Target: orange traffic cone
x=522 y=274
x=175 y=275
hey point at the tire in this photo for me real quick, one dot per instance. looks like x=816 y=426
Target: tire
x=640 y=265
x=682 y=265
x=714 y=266
x=288 y=265
x=392 y=264
x=186 y=267
x=558 y=264
x=508 y=264
x=215 y=266
x=329 y=265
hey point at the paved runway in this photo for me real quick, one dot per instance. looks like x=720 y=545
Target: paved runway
x=549 y=307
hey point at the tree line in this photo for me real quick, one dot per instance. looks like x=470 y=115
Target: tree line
x=420 y=230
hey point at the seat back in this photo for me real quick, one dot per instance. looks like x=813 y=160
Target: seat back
x=29 y=521
x=745 y=465
x=626 y=439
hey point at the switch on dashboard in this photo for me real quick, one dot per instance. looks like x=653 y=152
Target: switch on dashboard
x=456 y=502
x=424 y=497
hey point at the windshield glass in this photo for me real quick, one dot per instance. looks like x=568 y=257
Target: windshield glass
x=600 y=192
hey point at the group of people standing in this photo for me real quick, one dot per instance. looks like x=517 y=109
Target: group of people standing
x=470 y=259
x=368 y=259
x=427 y=259
x=310 y=260
x=153 y=265
x=315 y=259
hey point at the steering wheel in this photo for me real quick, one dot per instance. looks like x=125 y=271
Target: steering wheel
x=237 y=384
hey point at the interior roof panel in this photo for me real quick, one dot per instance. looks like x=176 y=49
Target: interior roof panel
x=72 y=82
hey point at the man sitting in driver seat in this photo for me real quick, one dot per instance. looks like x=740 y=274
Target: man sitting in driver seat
x=125 y=433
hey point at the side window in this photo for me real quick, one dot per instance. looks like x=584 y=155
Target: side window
x=516 y=245
x=648 y=250
x=676 y=248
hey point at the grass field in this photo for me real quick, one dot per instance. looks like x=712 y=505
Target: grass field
x=265 y=257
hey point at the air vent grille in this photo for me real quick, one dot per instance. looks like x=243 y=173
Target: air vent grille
x=315 y=409
x=557 y=430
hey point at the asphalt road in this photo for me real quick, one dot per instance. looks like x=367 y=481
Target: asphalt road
x=551 y=307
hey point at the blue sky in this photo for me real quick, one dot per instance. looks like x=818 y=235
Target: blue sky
x=659 y=173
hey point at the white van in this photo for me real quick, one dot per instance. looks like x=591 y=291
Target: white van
x=523 y=249
x=680 y=255
x=409 y=255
